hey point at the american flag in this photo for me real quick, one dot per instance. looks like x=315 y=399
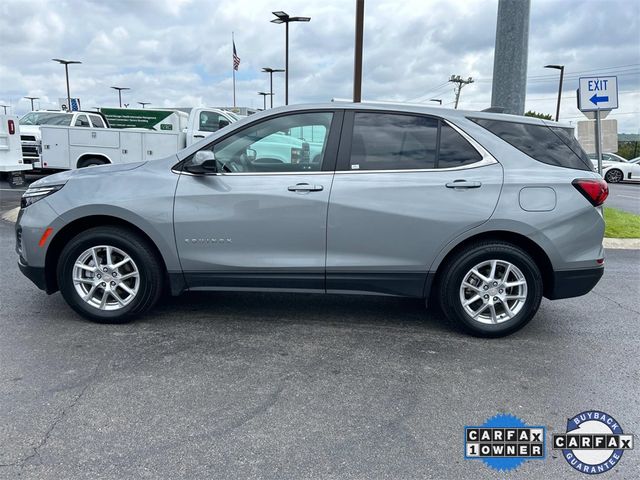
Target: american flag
x=236 y=58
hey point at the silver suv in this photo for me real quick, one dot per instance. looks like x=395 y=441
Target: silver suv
x=482 y=214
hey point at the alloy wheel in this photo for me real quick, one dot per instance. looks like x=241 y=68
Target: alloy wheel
x=106 y=277
x=493 y=291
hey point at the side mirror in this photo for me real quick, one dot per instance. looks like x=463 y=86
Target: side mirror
x=222 y=123
x=203 y=162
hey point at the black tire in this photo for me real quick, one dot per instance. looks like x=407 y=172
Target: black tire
x=614 y=176
x=148 y=265
x=455 y=271
x=91 y=162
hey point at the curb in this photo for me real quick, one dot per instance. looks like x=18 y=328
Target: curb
x=622 y=243
x=11 y=215
x=615 y=243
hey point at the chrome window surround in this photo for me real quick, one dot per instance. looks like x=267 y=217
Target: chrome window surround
x=487 y=159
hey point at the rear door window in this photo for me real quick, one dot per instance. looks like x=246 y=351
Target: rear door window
x=393 y=142
x=551 y=145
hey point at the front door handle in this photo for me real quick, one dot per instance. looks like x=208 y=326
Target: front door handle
x=305 y=187
x=463 y=184
x=198 y=136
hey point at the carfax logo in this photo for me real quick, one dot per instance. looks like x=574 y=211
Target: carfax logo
x=504 y=442
x=594 y=442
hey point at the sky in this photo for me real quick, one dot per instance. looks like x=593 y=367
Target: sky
x=177 y=53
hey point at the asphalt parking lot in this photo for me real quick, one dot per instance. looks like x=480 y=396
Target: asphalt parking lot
x=237 y=385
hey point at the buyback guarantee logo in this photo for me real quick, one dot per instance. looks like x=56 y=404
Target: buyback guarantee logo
x=594 y=442
x=504 y=442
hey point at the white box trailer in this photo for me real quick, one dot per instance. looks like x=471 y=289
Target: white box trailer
x=11 y=160
x=65 y=148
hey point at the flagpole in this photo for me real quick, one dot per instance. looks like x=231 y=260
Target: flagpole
x=233 y=70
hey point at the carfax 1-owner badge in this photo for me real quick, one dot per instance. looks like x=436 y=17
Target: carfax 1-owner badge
x=593 y=443
x=504 y=442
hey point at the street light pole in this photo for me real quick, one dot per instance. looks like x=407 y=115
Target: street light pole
x=264 y=98
x=66 y=64
x=283 y=17
x=271 y=71
x=561 y=68
x=439 y=100
x=5 y=108
x=32 y=99
x=144 y=103
x=120 y=89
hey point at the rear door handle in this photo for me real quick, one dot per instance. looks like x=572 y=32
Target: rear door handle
x=198 y=136
x=305 y=187
x=463 y=184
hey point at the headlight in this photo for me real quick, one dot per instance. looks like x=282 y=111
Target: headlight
x=33 y=194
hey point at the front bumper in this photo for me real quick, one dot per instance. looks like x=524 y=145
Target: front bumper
x=35 y=274
x=573 y=283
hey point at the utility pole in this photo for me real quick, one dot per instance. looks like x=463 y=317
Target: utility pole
x=357 y=59
x=460 y=82
x=510 y=58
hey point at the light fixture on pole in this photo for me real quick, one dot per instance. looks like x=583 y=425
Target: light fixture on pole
x=5 y=108
x=282 y=17
x=271 y=71
x=264 y=98
x=120 y=89
x=66 y=64
x=32 y=99
x=561 y=68
x=144 y=103
x=439 y=100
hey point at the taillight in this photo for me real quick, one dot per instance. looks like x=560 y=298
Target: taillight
x=12 y=127
x=594 y=190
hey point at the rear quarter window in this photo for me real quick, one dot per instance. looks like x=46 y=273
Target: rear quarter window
x=551 y=145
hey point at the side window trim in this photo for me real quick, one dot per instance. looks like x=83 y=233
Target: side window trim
x=344 y=154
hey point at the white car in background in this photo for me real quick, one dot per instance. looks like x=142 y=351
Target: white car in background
x=627 y=171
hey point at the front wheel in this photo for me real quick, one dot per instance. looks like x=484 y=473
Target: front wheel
x=491 y=289
x=109 y=275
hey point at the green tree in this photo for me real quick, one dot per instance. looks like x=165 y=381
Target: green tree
x=628 y=150
x=544 y=116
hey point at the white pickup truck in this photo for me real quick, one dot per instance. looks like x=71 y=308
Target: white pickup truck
x=11 y=161
x=65 y=147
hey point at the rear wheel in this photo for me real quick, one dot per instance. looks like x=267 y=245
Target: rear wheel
x=614 y=176
x=491 y=289
x=109 y=275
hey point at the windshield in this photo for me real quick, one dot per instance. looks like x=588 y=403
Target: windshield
x=46 y=118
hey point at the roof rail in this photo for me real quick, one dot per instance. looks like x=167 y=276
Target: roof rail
x=383 y=102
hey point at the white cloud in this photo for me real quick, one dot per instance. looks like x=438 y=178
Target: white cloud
x=178 y=52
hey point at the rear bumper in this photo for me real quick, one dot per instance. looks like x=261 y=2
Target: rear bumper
x=573 y=283
x=35 y=274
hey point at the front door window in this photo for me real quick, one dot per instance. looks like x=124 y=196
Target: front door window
x=292 y=143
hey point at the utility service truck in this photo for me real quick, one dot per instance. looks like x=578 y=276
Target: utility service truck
x=143 y=134
x=11 y=161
